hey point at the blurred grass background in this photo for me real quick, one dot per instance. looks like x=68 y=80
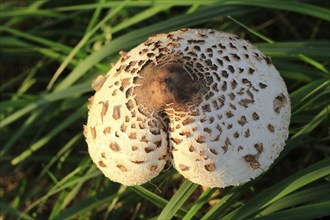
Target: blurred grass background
x=52 y=50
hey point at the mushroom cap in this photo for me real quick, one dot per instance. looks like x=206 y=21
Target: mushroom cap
x=208 y=100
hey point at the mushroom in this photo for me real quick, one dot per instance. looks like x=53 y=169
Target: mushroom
x=206 y=100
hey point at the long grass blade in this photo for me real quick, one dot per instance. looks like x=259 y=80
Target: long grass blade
x=41 y=142
x=89 y=204
x=204 y=198
x=82 y=42
x=285 y=187
x=46 y=99
x=311 y=194
x=9 y=211
x=155 y=199
x=310 y=211
x=293 y=6
x=186 y=189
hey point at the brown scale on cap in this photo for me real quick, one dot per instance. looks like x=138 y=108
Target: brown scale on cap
x=116 y=112
x=98 y=83
x=101 y=164
x=85 y=131
x=154 y=167
x=271 y=128
x=183 y=167
x=252 y=159
x=201 y=97
x=107 y=130
x=104 y=108
x=279 y=102
x=114 y=146
x=210 y=167
x=122 y=168
x=93 y=132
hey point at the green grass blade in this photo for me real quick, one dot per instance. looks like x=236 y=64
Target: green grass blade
x=68 y=181
x=204 y=198
x=46 y=99
x=139 y=17
x=29 y=13
x=177 y=200
x=9 y=211
x=154 y=199
x=268 y=40
x=137 y=4
x=39 y=40
x=28 y=124
x=314 y=102
x=64 y=149
x=314 y=63
x=56 y=209
x=300 y=95
x=226 y=201
x=113 y=203
x=89 y=204
x=151 y=197
x=296 y=139
x=297 y=71
x=96 y=15
x=15 y=80
x=315 y=49
x=293 y=6
x=261 y=36
x=312 y=211
x=34 y=6
x=82 y=42
x=315 y=193
x=41 y=142
x=283 y=188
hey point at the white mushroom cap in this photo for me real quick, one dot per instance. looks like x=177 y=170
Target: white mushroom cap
x=211 y=101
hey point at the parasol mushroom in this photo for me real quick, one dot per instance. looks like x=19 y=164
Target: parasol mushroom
x=206 y=100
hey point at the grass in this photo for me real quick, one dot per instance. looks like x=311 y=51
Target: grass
x=52 y=50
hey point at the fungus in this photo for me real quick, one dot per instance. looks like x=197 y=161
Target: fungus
x=208 y=101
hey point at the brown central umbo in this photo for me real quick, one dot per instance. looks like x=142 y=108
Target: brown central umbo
x=165 y=84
